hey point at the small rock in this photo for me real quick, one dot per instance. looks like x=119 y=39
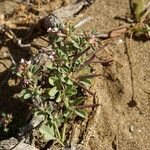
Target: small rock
x=24 y=146
x=139 y=130
x=12 y=142
x=120 y=41
x=8 y=143
x=131 y=128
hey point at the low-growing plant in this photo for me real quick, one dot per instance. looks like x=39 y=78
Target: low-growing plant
x=5 y=120
x=56 y=83
x=141 y=18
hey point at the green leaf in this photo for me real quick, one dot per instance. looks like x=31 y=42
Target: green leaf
x=52 y=80
x=33 y=69
x=53 y=91
x=75 y=44
x=77 y=101
x=86 y=82
x=59 y=120
x=48 y=132
x=59 y=39
x=66 y=102
x=139 y=8
x=58 y=99
x=86 y=70
x=49 y=65
x=64 y=69
x=40 y=113
x=71 y=90
x=63 y=77
x=66 y=80
x=21 y=94
x=80 y=112
x=55 y=81
x=49 y=111
x=30 y=74
x=19 y=74
x=26 y=95
x=69 y=82
x=143 y=30
x=66 y=114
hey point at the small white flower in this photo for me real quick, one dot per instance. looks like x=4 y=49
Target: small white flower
x=55 y=29
x=28 y=62
x=26 y=81
x=52 y=57
x=49 y=29
x=22 y=61
x=53 y=53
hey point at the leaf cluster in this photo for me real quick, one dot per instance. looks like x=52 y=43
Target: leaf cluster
x=141 y=10
x=57 y=87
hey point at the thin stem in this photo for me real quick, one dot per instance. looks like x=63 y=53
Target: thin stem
x=60 y=142
x=64 y=132
x=92 y=57
x=89 y=76
x=57 y=130
x=89 y=60
x=145 y=15
x=84 y=88
x=87 y=106
x=81 y=53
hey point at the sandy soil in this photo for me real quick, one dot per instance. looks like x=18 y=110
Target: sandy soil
x=122 y=121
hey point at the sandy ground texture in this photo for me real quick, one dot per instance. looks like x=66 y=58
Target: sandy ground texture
x=122 y=121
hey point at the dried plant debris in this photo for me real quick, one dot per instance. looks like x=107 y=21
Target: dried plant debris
x=61 y=15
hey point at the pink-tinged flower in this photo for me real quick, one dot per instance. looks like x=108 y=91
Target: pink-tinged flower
x=56 y=31
x=53 y=30
x=93 y=40
x=49 y=29
x=26 y=81
x=22 y=68
x=53 y=53
x=23 y=61
x=61 y=34
x=23 y=65
x=52 y=57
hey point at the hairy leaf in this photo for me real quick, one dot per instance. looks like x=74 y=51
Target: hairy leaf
x=139 y=8
x=80 y=112
x=52 y=92
x=48 y=132
x=86 y=82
